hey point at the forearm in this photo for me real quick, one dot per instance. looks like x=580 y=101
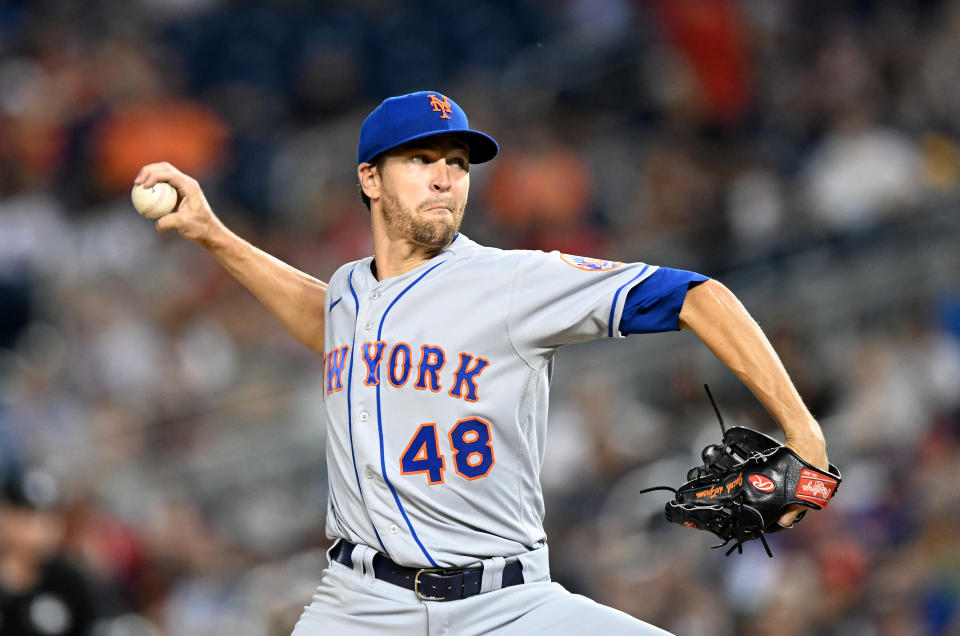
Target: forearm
x=294 y=298
x=718 y=318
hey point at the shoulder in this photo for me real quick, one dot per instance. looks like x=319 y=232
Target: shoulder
x=467 y=250
x=548 y=259
x=560 y=263
x=520 y=263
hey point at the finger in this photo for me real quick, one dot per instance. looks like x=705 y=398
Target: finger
x=153 y=173
x=145 y=172
x=789 y=517
x=786 y=520
x=183 y=184
x=168 y=222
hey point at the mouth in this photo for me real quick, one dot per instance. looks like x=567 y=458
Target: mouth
x=439 y=207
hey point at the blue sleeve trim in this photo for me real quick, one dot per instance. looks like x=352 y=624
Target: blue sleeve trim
x=654 y=305
x=613 y=307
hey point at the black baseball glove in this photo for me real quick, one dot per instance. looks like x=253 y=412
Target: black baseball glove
x=744 y=486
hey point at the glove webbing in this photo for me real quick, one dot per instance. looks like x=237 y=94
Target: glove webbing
x=742 y=531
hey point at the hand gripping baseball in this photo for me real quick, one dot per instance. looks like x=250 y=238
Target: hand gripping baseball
x=745 y=485
x=193 y=217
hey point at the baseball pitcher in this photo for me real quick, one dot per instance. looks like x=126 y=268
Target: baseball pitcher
x=437 y=357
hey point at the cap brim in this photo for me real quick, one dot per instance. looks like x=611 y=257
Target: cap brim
x=482 y=147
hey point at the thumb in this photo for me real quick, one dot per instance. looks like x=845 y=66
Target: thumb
x=168 y=222
x=786 y=519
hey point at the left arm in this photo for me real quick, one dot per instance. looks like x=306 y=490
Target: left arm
x=720 y=320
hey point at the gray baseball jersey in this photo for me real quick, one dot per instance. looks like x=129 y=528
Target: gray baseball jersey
x=436 y=389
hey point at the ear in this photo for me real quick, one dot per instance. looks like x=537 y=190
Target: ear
x=369 y=177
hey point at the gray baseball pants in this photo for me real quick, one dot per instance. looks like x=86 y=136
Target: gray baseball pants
x=350 y=601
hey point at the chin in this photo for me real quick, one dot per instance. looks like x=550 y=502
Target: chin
x=436 y=235
x=434 y=240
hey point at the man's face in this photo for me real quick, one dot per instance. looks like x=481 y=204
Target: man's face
x=424 y=187
x=33 y=533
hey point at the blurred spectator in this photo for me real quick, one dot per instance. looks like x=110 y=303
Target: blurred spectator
x=41 y=592
x=541 y=192
x=755 y=210
x=674 y=195
x=712 y=37
x=189 y=136
x=861 y=173
x=941 y=163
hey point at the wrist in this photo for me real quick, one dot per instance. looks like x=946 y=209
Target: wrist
x=810 y=445
x=218 y=239
x=808 y=433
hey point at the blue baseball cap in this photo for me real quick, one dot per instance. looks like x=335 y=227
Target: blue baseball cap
x=402 y=119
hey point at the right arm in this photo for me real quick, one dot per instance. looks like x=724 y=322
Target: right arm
x=294 y=298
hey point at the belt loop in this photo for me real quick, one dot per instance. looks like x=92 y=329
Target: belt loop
x=362 y=556
x=369 y=575
x=333 y=550
x=492 y=578
x=536 y=565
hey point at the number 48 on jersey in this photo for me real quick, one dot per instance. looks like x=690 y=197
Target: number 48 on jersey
x=471 y=445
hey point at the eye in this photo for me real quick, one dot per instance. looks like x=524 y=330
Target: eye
x=419 y=159
x=460 y=162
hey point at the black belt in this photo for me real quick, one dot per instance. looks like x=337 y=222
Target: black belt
x=430 y=584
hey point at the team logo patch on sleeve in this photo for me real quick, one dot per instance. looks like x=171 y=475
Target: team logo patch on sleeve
x=589 y=264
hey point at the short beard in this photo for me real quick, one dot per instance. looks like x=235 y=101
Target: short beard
x=432 y=234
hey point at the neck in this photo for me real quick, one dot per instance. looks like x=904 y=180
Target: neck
x=396 y=255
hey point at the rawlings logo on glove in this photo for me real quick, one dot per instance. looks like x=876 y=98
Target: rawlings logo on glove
x=816 y=487
x=744 y=485
x=761 y=483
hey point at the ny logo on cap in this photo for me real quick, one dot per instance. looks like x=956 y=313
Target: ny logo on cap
x=440 y=106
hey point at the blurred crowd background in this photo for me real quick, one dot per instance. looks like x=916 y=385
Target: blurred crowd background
x=804 y=152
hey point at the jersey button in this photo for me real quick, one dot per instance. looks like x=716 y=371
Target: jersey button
x=369 y=473
x=364 y=416
x=374 y=295
x=368 y=325
x=394 y=528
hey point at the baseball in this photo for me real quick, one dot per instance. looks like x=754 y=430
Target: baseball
x=154 y=202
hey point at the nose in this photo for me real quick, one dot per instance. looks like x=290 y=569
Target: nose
x=440 y=176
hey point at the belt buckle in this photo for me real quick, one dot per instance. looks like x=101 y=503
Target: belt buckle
x=416 y=585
